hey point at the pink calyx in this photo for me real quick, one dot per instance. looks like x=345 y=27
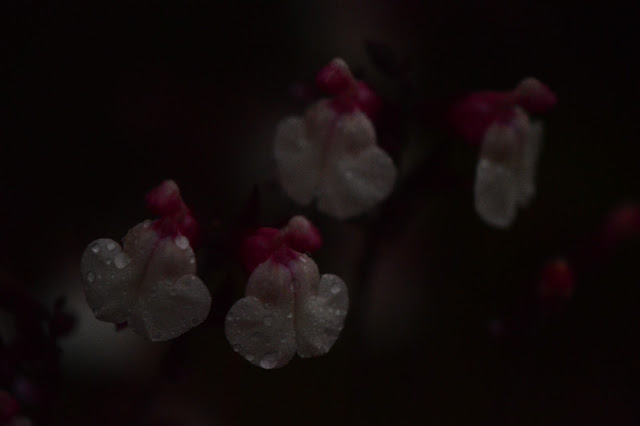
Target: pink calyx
x=473 y=114
x=349 y=94
x=534 y=96
x=175 y=217
x=284 y=245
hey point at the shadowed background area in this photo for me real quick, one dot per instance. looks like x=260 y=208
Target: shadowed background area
x=101 y=103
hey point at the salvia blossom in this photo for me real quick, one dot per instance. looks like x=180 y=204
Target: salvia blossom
x=289 y=307
x=510 y=145
x=331 y=153
x=150 y=281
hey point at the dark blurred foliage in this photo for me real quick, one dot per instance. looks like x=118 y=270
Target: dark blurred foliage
x=101 y=101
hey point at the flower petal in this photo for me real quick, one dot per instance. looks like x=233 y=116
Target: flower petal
x=140 y=242
x=529 y=164
x=354 y=132
x=495 y=193
x=107 y=275
x=298 y=158
x=320 y=316
x=171 y=308
x=260 y=327
x=170 y=259
x=504 y=142
x=355 y=183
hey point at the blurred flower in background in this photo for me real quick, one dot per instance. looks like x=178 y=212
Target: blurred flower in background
x=331 y=154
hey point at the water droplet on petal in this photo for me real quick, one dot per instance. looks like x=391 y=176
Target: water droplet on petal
x=111 y=245
x=107 y=261
x=95 y=248
x=249 y=358
x=192 y=259
x=335 y=289
x=289 y=315
x=91 y=276
x=146 y=223
x=338 y=311
x=269 y=360
x=121 y=260
x=181 y=241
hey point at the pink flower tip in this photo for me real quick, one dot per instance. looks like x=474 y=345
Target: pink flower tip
x=557 y=281
x=349 y=94
x=165 y=199
x=534 y=96
x=335 y=78
x=298 y=236
x=175 y=217
x=472 y=115
x=368 y=101
x=301 y=235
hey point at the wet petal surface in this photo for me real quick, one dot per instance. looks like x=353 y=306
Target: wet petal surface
x=171 y=308
x=107 y=274
x=260 y=327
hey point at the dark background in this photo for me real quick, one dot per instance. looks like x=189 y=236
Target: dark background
x=101 y=103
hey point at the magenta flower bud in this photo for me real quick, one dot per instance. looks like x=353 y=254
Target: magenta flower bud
x=299 y=235
x=259 y=247
x=288 y=306
x=472 y=115
x=335 y=78
x=367 y=100
x=165 y=199
x=534 y=96
x=149 y=282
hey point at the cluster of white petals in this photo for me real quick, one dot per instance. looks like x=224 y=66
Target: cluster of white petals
x=288 y=306
x=332 y=154
x=287 y=309
x=505 y=174
x=149 y=283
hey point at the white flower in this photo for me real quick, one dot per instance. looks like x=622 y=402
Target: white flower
x=150 y=282
x=288 y=306
x=505 y=175
x=331 y=154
